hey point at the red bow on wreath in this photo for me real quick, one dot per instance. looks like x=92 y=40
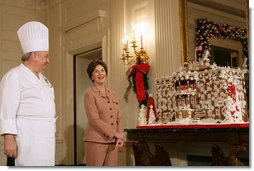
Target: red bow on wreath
x=139 y=73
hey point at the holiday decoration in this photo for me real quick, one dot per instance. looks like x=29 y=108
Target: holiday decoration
x=152 y=118
x=138 y=72
x=207 y=29
x=201 y=93
x=142 y=116
x=150 y=102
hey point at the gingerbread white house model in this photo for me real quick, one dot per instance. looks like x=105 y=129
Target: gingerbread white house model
x=200 y=93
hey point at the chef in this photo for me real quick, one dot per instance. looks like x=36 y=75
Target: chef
x=27 y=107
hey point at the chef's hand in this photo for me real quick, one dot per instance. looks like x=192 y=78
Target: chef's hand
x=119 y=143
x=10 y=146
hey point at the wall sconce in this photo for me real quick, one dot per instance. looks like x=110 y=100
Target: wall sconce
x=139 y=69
x=140 y=56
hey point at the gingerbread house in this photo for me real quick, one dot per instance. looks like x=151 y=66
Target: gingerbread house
x=202 y=93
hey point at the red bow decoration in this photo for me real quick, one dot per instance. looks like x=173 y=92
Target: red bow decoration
x=138 y=71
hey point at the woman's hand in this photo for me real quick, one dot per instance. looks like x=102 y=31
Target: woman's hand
x=119 y=143
x=119 y=135
x=10 y=146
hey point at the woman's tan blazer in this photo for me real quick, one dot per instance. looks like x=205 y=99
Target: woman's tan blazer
x=104 y=116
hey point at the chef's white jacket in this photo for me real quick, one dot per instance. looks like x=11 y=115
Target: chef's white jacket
x=27 y=110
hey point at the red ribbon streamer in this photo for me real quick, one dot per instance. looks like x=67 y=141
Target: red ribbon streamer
x=140 y=69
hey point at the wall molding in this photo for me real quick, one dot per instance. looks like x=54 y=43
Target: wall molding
x=27 y=4
x=100 y=14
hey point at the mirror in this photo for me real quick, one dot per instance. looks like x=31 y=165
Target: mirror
x=220 y=26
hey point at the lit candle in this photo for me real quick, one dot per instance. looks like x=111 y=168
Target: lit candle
x=124 y=32
x=125 y=37
x=133 y=30
x=123 y=41
x=141 y=41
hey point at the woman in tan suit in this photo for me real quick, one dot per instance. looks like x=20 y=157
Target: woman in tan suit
x=104 y=132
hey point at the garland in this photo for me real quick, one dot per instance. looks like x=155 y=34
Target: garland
x=207 y=29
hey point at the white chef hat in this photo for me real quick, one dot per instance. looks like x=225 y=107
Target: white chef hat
x=33 y=36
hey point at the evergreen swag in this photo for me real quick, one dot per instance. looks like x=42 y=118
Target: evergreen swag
x=207 y=29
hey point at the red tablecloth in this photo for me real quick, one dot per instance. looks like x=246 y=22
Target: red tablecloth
x=244 y=125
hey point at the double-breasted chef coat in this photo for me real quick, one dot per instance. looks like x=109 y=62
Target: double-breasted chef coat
x=27 y=110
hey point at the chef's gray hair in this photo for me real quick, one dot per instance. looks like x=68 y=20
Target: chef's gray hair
x=26 y=56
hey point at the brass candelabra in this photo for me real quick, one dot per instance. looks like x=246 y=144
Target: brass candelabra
x=140 y=56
